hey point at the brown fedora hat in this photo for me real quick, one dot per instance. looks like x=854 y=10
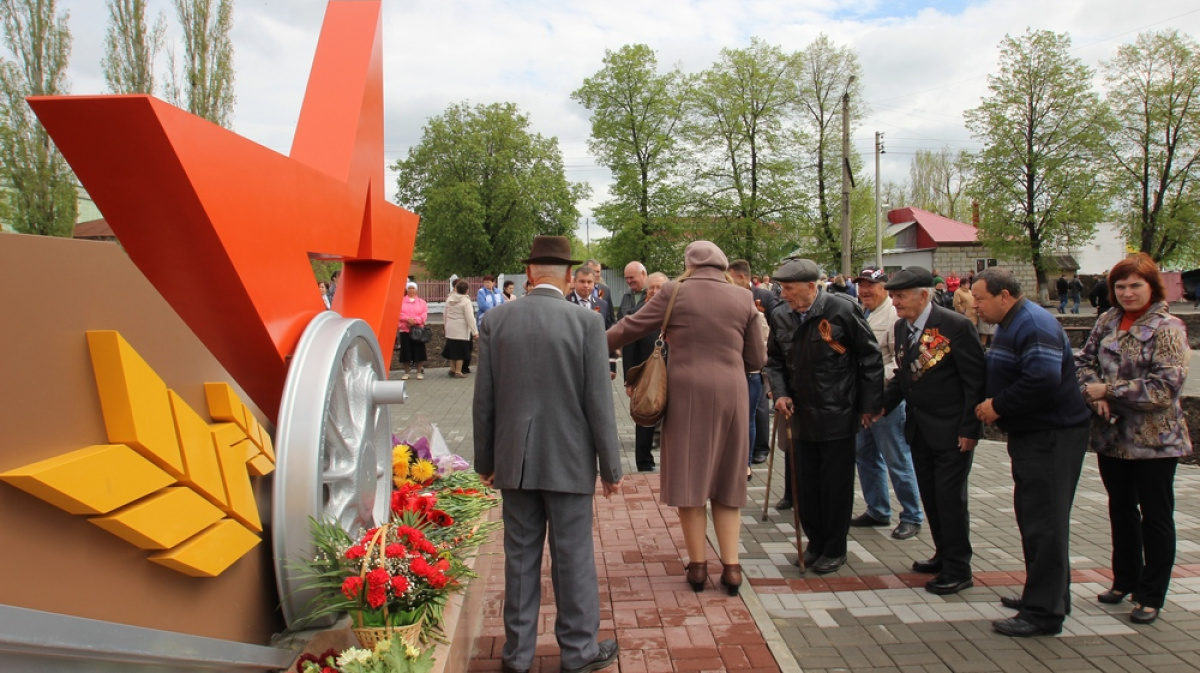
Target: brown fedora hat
x=551 y=250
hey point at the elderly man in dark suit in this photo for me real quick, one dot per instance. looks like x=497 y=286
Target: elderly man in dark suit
x=635 y=353
x=543 y=417
x=766 y=301
x=940 y=374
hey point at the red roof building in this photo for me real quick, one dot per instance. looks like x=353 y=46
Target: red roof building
x=95 y=230
x=949 y=247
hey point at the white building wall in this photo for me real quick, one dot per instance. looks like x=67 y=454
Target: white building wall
x=1105 y=249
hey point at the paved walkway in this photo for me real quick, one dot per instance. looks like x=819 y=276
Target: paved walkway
x=873 y=614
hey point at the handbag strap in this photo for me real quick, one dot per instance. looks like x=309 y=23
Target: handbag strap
x=662 y=332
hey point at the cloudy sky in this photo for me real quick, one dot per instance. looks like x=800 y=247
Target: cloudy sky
x=924 y=61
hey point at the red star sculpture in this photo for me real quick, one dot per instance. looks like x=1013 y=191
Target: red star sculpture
x=225 y=228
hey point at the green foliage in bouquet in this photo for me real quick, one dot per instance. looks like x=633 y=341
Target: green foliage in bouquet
x=388 y=656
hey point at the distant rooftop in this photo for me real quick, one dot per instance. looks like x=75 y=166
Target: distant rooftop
x=933 y=230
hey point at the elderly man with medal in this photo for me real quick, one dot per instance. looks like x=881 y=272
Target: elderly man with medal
x=940 y=374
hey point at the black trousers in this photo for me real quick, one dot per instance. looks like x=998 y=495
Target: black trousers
x=1045 y=467
x=826 y=498
x=643 y=442
x=1141 y=509
x=762 y=425
x=942 y=473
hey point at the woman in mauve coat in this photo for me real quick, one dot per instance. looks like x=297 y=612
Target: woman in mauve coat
x=1131 y=371
x=714 y=341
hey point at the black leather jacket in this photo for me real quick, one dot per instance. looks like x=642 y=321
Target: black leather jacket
x=830 y=390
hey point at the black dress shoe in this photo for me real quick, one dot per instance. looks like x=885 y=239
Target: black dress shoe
x=1112 y=597
x=1143 y=615
x=906 y=530
x=944 y=586
x=783 y=504
x=931 y=566
x=604 y=658
x=828 y=564
x=1016 y=603
x=759 y=458
x=505 y=668
x=865 y=520
x=810 y=557
x=645 y=469
x=1021 y=628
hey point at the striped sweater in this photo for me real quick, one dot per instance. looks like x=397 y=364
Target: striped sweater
x=1031 y=373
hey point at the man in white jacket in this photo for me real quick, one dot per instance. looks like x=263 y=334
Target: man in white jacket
x=881 y=450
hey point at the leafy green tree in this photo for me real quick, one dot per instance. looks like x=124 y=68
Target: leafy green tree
x=1042 y=127
x=826 y=71
x=42 y=199
x=131 y=47
x=1154 y=93
x=636 y=113
x=939 y=181
x=741 y=127
x=484 y=186
x=207 y=77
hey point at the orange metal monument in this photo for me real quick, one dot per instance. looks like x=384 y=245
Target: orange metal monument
x=211 y=402
x=224 y=227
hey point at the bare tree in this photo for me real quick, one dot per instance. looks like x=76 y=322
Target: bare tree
x=131 y=47
x=42 y=199
x=939 y=180
x=208 y=60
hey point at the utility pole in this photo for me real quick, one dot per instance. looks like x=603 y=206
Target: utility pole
x=847 y=180
x=878 y=205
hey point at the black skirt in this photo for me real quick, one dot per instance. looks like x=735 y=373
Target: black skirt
x=456 y=349
x=410 y=351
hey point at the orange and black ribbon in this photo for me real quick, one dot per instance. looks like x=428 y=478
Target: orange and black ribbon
x=826 y=332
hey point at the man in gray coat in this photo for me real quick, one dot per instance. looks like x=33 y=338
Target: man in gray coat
x=543 y=415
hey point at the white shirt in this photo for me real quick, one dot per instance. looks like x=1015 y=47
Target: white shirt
x=882 y=320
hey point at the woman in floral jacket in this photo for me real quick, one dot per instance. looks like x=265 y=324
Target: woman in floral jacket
x=1131 y=372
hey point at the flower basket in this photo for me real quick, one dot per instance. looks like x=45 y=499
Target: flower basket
x=412 y=634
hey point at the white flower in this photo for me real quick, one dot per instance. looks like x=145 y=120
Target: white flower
x=354 y=654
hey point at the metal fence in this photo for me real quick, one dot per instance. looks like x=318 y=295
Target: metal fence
x=438 y=291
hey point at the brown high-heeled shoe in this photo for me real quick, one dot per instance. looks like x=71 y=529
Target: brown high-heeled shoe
x=731 y=578
x=697 y=575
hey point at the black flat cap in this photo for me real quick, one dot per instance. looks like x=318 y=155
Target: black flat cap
x=797 y=271
x=912 y=276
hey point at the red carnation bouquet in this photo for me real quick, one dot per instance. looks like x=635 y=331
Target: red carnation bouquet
x=390 y=576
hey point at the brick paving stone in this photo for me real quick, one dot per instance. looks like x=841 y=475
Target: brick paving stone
x=870 y=615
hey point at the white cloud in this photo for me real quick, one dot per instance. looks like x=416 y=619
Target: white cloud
x=924 y=62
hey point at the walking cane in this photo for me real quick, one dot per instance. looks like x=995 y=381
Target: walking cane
x=791 y=453
x=771 y=463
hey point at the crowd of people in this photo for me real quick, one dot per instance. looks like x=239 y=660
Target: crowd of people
x=890 y=381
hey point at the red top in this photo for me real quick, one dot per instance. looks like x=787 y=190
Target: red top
x=1131 y=317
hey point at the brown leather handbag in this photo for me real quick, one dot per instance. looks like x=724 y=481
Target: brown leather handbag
x=648 y=402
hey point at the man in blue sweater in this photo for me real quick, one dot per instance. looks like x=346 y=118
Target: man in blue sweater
x=1033 y=395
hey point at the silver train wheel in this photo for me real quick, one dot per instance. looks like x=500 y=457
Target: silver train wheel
x=333 y=444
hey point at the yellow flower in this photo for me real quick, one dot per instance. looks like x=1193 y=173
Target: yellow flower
x=422 y=471
x=400 y=457
x=401 y=453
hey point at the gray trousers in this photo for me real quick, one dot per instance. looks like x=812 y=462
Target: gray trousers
x=568 y=518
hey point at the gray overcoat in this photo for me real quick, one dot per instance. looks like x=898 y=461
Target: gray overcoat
x=554 y=418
